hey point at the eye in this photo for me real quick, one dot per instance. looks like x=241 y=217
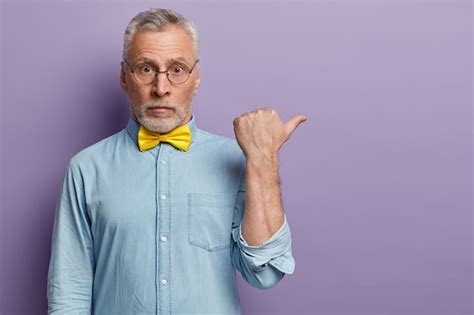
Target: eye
x=145 y=69
x=177 y=69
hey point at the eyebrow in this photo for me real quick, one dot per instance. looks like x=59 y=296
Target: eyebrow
x=171 y=61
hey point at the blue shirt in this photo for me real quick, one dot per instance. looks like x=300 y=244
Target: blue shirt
x=157 y=232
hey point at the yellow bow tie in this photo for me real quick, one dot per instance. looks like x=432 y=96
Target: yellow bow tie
x=179 y=138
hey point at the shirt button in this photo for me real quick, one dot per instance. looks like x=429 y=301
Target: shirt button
x=163 y=238
x=163 y=161
x=164 y=282
x=163 y=197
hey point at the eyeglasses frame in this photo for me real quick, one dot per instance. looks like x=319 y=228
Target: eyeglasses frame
x=158 y=72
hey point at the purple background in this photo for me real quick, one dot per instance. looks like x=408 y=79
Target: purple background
x=377 y=183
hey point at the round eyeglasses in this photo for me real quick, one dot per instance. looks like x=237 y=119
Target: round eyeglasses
x=146 y=73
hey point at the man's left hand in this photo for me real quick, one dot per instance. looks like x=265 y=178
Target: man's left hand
x=261 y=133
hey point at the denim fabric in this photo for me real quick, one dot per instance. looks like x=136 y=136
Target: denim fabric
x=157 y=232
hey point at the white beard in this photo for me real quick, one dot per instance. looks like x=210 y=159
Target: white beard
x=158 y=124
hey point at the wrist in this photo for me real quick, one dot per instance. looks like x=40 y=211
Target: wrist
x=262 y=159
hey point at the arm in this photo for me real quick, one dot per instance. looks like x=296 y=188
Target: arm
x=265 y=264
x=71 y=266
x=264 y=213
x=263 y=235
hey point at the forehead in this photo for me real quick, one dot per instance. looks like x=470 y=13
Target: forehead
x=171 y=43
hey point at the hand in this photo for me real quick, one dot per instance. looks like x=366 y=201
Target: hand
x=261 y=132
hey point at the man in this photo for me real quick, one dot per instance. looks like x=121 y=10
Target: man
x=156 y=218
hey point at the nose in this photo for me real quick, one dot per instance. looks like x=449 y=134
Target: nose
x=161 y=86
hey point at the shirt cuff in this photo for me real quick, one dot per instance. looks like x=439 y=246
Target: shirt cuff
x=275 y=251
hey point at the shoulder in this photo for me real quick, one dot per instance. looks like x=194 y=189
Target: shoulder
x=208 y=140
x=99 y=152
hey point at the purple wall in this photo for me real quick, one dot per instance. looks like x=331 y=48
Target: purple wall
x=377 y=183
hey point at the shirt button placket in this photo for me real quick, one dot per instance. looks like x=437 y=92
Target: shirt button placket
x=163 y=232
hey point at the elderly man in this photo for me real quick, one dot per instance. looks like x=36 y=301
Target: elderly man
x=156 y=218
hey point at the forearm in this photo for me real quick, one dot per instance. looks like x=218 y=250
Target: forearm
x=264 y=213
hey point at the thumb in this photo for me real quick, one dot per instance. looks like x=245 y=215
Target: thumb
x=293 y=123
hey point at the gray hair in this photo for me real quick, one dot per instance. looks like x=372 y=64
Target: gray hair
x=158 y=19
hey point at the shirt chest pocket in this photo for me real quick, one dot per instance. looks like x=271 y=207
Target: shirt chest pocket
x=210 y=220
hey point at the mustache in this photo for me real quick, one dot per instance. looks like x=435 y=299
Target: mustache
x=160 y=104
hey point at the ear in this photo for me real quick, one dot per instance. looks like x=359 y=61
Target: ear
x=123 y=81
x=197 y=82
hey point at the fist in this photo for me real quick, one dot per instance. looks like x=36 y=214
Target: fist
x=261 y=132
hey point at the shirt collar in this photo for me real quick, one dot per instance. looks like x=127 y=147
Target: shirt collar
x=133 y=126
